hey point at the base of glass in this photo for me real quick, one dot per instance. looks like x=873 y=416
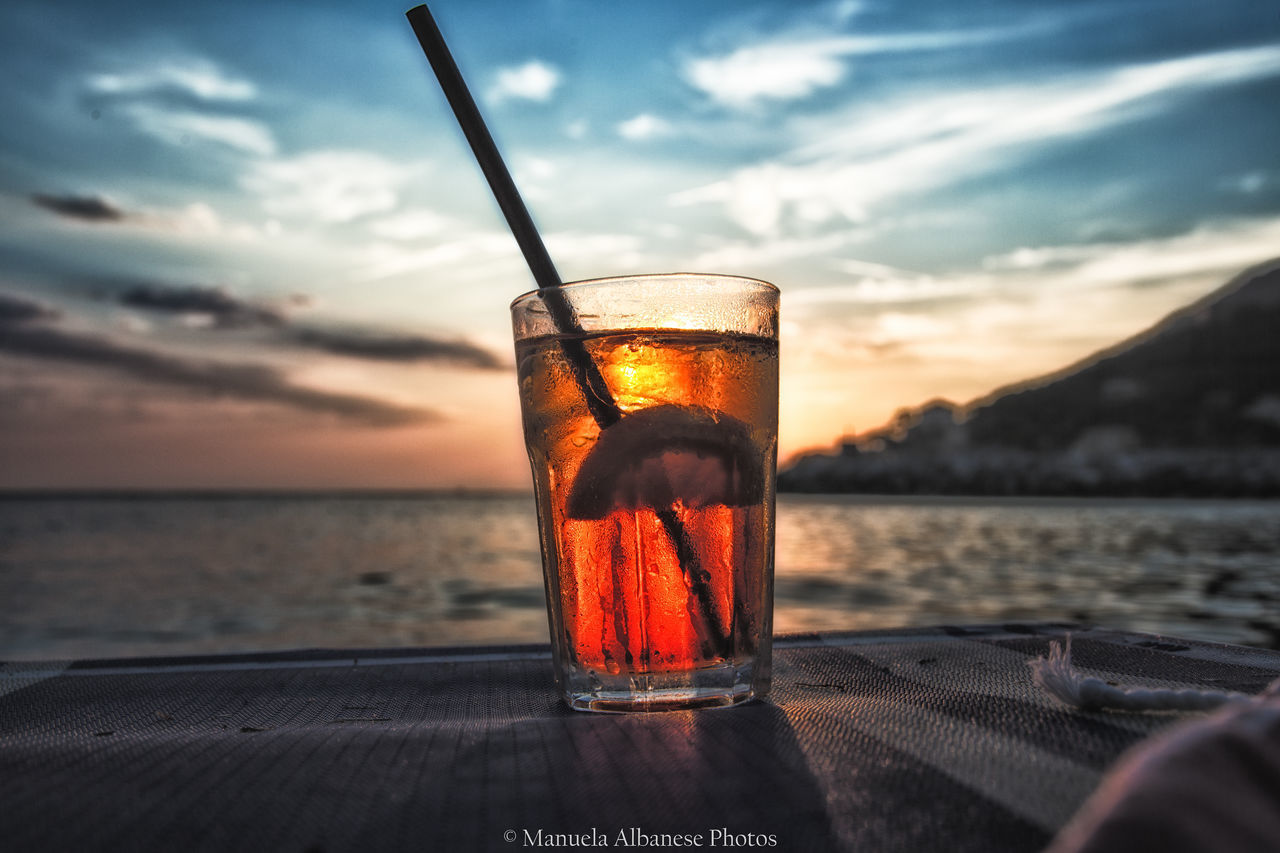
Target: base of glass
x=716 y=686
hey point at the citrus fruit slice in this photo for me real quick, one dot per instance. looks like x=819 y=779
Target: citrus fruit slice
x=664 y=455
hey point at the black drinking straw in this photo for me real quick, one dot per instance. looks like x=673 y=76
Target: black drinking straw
x=599 y=399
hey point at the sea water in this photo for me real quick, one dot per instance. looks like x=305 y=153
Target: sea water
x=107 y=576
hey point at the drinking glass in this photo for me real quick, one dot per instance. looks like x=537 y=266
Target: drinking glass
x=650 y=411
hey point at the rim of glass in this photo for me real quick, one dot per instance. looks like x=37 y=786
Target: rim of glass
x=752 y=283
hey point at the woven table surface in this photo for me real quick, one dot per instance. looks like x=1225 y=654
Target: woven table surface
x=915 y=740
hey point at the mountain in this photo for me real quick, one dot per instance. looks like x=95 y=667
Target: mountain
x=1190 y=406
x=1207 y=376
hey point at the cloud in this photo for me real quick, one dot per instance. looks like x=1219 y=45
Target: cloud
x=780 y=71
x=181 y=101
x=1212 y=251
x=181 y=127
x=844 y=10
x=469 y=251
x=219 y=309
x=1208 y=254
x=215 y=303
x=1023 y=313
x=533 y=81
x=1249 y=183
x=756 y=254
x=871 y=153
x=870 y=284
x=598 y=250
x=216 y=379
x=195 y=218
x=385 y=346
x=86 y=208
x=644 y=126
x=15 y=309
x=493 y=255
x=200 y=218
x=791 y=67
x=410 y=225
x=329 y=186
x=190 y=75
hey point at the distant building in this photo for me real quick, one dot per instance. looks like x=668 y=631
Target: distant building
x=935 y=427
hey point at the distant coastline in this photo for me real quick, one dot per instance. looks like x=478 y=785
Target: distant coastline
x=1012 y=473
x=1187 y=408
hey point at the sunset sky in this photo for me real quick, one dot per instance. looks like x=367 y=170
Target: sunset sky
x=244 y=244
